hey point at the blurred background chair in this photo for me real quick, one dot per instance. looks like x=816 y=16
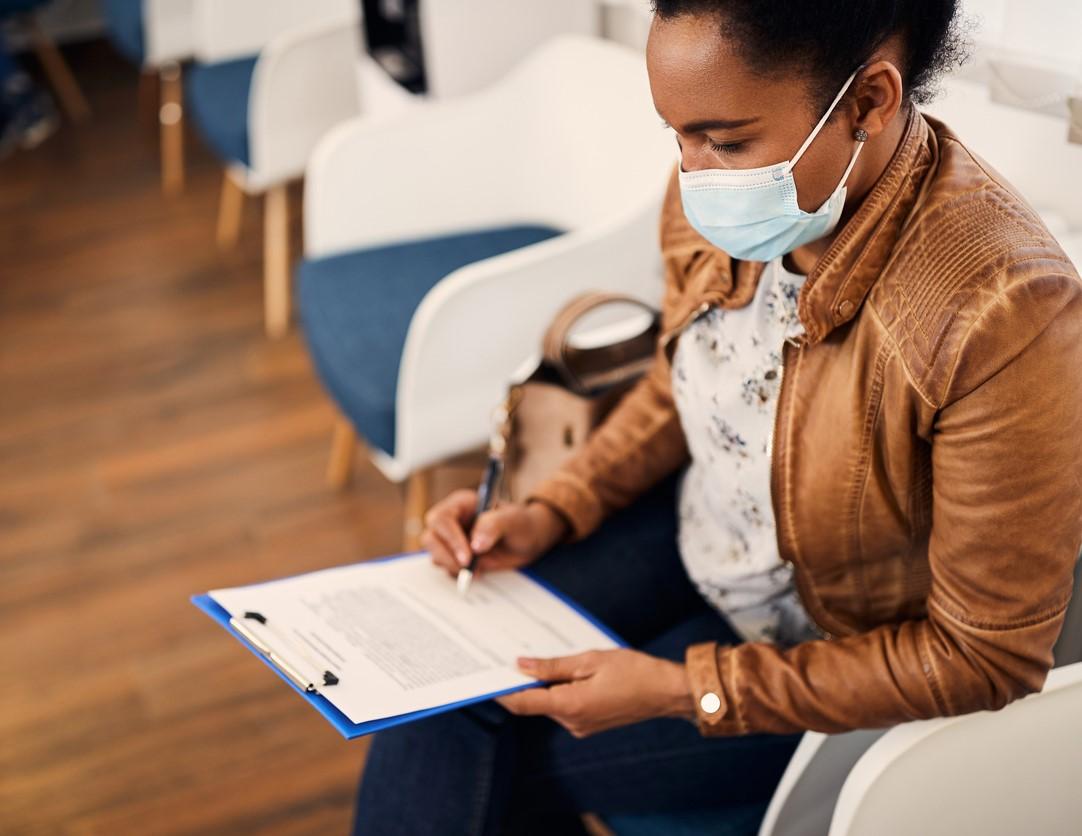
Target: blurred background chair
x=24 y=14
x=263 y=113
x=270 y=78
x=158 y=36
x=418 y=307
x=1027 y=52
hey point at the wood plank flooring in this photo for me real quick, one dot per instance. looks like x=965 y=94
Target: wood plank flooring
x=153 y=444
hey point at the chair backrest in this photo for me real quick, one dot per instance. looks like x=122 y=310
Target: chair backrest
x=804 y=800
x=227 y=29
x=469 y=44
x=168 y=30
x=568 y=139
x=580 y=136
x=994 y=773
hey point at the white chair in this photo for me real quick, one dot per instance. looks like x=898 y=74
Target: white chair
x=470 y=44
x=808 y=797
x=272 y=76
x=628 y=21
x=994 y=773
x=157 y=36
x=1027 y=52
x=312 y=73
x=568 y=141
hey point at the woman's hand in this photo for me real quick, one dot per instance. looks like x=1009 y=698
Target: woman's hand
x=505 y=537
x=603 y=689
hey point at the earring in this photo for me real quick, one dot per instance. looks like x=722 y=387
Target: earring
x=860 y=135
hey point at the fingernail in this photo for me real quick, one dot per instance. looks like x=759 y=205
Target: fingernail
x=463 y=557
x=479 y=543
x=526 y=663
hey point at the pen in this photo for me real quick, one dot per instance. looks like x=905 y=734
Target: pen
x=485 y=494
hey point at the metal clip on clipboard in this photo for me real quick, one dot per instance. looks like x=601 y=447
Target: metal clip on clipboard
x=285 y=667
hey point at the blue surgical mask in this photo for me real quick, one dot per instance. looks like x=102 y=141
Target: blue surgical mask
x=752 y=213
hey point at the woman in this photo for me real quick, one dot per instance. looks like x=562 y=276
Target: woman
x=846 y=495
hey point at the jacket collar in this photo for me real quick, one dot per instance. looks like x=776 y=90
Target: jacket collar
x=838 y=284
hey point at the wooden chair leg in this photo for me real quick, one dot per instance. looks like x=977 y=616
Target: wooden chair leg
x=230 y=212
x=171 y=127
x=60 y=76
x=276 y=290
x=343 y=453
x=418 y=498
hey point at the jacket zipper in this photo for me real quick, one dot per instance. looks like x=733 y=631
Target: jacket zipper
x=797 y=342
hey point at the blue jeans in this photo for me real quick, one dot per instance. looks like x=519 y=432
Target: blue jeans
x=481 y=770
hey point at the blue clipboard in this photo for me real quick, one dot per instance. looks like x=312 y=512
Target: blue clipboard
x=346 y=727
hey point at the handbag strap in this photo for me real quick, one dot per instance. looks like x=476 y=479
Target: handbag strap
x=555 y=344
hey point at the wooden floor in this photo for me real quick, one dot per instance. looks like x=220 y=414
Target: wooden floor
x=153 y=444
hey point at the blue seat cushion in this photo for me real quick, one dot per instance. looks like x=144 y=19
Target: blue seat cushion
x=124 y=19
x=218 y=102
x=357 y=308
x=738 y=820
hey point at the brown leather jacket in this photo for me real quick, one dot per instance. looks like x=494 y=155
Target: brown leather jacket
x=927 y=455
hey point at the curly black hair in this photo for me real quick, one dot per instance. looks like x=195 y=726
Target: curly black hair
x=828 y=40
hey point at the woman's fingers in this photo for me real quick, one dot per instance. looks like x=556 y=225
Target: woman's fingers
x=498 y=560
x=444 y=537
x=441 y=555
x=453 y=538
x=491 y=526
x=460 y=504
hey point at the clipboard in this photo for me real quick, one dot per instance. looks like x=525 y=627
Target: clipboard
x=346 y=727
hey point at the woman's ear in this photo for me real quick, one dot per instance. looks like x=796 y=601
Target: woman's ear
x=878 y=97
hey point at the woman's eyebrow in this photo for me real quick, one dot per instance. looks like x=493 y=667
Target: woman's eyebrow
x=717 y=125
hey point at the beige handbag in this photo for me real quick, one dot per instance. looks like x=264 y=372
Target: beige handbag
x=550 y=414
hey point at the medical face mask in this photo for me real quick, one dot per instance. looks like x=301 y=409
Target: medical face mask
x=753 y=214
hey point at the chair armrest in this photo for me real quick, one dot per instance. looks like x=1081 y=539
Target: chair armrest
x=168 y=31
x=805 y=797
x=227 y=29
x=305 y=83
x=472 y=331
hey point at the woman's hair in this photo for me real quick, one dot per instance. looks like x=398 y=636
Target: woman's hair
x=828 y=40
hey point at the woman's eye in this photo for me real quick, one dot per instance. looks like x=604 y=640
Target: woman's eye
x=725 y=147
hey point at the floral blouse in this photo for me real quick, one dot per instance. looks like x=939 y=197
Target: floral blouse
x=726 y=377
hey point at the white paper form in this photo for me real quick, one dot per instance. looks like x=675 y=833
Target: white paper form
x=400 y=637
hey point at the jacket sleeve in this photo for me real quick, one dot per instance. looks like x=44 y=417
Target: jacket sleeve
x=1006 y=530
x=641 y=441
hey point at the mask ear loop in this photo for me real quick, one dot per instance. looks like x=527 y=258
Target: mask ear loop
x=822 y=121
x=861 y=136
